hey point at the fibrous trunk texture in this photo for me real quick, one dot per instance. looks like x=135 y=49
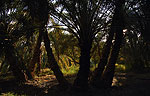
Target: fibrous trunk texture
x=82 y=77
x=108 y=75
x=52 y=61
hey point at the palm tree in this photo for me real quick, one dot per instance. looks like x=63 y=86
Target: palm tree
x=39 y=12
x=108 y=75
x=9 y=34
x=84 y=19
x=107 y=47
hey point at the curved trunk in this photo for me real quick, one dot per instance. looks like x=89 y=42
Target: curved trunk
x=110 y=68
x=104 y=59
x=52 y=62
x=96 y=80
x=105 y=53
x=82 y=77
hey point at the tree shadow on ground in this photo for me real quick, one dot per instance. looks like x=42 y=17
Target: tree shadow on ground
x=20 y=89
x=127 y=84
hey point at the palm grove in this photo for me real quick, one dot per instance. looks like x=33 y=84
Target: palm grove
x=84 y=31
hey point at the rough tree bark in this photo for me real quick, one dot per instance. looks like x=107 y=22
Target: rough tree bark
x=106 y=51
x=85 y=44
x=103 y=60
x=39 y=11
x=81 y=81
x=52 y=61
x=108 y=75
x=36 y=55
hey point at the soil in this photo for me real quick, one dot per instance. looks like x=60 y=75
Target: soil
x=124 y=84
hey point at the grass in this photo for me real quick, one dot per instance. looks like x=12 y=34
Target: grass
x=66 y=71
x=70 y=70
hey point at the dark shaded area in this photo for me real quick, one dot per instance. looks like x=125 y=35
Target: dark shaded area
x=13 y=86
x=124 y=84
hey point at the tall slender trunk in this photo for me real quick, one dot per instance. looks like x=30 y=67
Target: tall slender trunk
x=103 y=60
x=82 y=77
x=13 y=61
x=36 y=55
x=52 y=61
x=110 y=69
x=85 y=44
x=106 y=51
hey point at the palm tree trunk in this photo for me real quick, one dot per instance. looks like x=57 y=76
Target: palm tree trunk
x=82 y=77
x=52 y=62
x=103 y=60
x=110 y=69
x=13 y=61
x=36 y=55
x=106 y=52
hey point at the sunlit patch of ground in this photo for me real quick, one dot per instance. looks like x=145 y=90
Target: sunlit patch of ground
x=125 y=84
x=43 y=81
x=119 y=79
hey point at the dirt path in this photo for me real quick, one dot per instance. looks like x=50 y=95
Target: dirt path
x=125 y=84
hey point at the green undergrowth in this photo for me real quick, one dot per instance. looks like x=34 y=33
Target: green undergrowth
x=70 y=70
x=66 y=71
x=46 y=71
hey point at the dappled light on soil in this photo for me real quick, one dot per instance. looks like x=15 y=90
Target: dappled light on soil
x=43 y=81
x=119 y=79
x=124 y=84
